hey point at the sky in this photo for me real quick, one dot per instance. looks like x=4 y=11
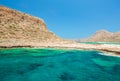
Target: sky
x=72 y=19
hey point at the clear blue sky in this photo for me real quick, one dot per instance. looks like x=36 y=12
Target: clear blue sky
x=72 y=19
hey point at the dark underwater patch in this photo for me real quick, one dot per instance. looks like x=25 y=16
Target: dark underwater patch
x=65 y=76
x=34 y=66
x=116 y=69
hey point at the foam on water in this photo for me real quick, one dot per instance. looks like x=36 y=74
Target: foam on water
x=108 y=54
x=26 y=64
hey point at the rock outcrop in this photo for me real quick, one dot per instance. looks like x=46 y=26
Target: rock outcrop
x=17 y=28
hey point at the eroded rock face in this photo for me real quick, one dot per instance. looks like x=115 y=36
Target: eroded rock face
x=15 y=25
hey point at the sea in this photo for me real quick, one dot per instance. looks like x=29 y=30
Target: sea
x=53 y=64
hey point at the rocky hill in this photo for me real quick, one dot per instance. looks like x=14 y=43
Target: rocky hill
x=104 y=36
x=17 y=28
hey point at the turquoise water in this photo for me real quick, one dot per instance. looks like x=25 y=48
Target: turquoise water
x=111 y=43
x=28 y=64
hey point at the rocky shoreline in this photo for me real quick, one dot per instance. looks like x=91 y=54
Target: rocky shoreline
x=109 y=49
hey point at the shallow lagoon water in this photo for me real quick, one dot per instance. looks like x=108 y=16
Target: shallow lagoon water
x=108 y=43
x=31 y=64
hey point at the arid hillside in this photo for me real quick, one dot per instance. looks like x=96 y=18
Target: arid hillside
x=104 y=36
x=18 y=27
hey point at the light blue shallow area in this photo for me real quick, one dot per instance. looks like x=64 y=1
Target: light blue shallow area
x=109 y=43
x=30 y=64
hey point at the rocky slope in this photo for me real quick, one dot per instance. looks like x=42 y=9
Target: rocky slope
x=17 y=28
x=104 y=36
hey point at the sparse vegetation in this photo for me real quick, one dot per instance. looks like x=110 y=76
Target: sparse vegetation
x=13 y=26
